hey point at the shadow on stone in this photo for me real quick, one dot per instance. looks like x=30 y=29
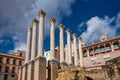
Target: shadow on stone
x=88 y=78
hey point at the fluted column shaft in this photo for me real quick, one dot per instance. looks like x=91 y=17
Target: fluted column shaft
x=69 y=47
x=80 y=52
x=41 y=33
x=20 y=74
x=72 y=48
x=24 y=74
x=61 y=43
x=75 y=50
x=66 y=54
x=52 y=38
x=34 y=39
x=29 y=37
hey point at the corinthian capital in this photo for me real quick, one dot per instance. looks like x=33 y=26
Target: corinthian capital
x=42 y=13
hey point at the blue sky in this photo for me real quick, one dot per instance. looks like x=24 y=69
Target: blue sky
x=87 y=18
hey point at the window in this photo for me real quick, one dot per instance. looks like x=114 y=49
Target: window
x=14 y=62
x=102 y=49
x=13 y=70
x=107 y=48
x=20 y=54
x=116 y=46
x=91 y=51
x=96 y=50
x=20 y=63
x=6 y=69
x=5 y=77
x=1 y=58
x=0 y=68
x=12 y=75
x=8 y=61
x=85 y=53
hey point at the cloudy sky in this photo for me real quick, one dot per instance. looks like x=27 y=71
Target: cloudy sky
x=87 y=18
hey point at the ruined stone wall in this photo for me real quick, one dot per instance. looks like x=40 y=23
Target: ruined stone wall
x=71 y=73
x=113 y=69
x=96 y=74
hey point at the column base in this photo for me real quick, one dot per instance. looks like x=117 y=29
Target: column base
x=30 y=74
x=40 y=68
x=52 y=69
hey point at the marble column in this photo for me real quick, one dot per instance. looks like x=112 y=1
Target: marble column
x=105 y=48
x=29 y=37
x=93 y=51
x=52 y=38
x=40 y=61
x=88 y=52
x=52 y=63
x=24 y=72
x=75 y=49
x=66 y=54
x=34 y=39
x=69 y=46
x=72 y=48
x=30 y=73
x=112 y=47
x=80 y=52
x=99 y=49
x=20 y=74
x=42 y=15
x=61 y=26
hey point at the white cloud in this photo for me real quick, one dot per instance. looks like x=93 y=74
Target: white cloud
x=16 y=16
x=100 y=26
x=80 y=27
x=18 y=46
x=81 y=24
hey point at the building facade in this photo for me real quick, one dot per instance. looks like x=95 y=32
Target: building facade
x=9 y=64
x=96 y=54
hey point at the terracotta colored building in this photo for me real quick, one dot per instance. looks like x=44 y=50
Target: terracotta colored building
x=9 y=64
x=96 y=54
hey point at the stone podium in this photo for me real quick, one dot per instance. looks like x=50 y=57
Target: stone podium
x=52 y=69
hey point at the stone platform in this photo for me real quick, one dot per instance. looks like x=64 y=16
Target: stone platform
x=71 y=73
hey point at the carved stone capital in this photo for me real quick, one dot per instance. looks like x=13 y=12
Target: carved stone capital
x=68 y=31
x=61 y=26
x=35 y=21
x=42 y=13
x=79 y=38
x=52 y=20
x=29 y=28
x=74 y=35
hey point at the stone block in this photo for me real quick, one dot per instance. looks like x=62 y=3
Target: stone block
x=40 y=68
x=52 y=69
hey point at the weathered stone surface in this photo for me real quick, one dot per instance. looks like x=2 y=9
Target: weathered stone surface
x=71 y=73
x=113 y=68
